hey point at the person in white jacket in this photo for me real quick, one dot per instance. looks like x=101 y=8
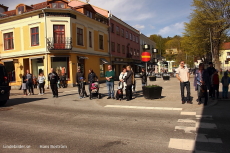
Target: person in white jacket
x=122 y=84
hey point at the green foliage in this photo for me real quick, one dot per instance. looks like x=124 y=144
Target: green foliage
x=150 y=86
x=160 y=43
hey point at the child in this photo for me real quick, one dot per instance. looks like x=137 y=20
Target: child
x=225 y=82
x=215 y=84
x=119 y=94
x=82 y=93
x=24 y=86
x=41 y=81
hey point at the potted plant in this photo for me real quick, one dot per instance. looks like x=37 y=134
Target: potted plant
x=166 y=76
x=152 y=91
x=152 y=78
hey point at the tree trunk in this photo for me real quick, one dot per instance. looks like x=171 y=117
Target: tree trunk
x=215 y=59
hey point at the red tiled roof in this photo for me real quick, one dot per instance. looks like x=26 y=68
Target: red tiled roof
x=226 y=46
x=10 y=13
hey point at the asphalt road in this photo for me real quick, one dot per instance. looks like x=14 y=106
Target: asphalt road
x=42 y=124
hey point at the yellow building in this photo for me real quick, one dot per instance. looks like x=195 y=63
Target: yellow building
x=51 y=34
x=225 y=56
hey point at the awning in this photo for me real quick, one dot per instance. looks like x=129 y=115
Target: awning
x=36 y=57
x=104 y=61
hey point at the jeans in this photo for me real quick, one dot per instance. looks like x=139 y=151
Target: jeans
x=182 y=86
x=110 y=87
x=205 y=96
x=129 y=92
x=215 y=90
x=54 y=89
x=41 y=88
x=30 y=88
x=225 y=92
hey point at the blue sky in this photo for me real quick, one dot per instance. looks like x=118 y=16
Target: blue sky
x=163 y=17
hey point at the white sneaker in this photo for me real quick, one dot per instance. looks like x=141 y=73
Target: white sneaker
x=28 y=94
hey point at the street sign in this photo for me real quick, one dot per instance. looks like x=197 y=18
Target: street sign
x=145 y=56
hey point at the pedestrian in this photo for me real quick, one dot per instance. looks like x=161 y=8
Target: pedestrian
x=79 y=74
x=129 y=79
x=109 y=75
x=201 y=77
x=143 y=77
x=92 y=77
x=41 y=81
x=183 y=76
x=35 y=82
x=225 y=83
x=211 y=71
x=24 y=86
x=82 y=92
x=215 y=81
x=29 y=82
x=53 y=79
x=122 y=84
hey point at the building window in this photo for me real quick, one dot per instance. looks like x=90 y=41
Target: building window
x=59 y=36
x=8 y=41
x=138 y=53
x=10 y=70
x=133 y=38
x=112 y=27
x=80 y=36
x=113 y=46
x=89 y=14
x=101 y=46
x=90 y=39
x=118 y=30
x=127 y=34
x=58 y=5
x=122 y=33
x=131 y=51
x=118 y=48
x=137 y=39
x=34 y=36
x=134 y=52
x=20 y=9
x=123 y=49
x=130 y=36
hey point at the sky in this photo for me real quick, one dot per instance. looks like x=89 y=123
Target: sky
x=162 y=17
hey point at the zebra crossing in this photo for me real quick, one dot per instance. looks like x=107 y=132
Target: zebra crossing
x=190 y=127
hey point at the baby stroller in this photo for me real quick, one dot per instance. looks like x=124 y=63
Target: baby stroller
x=119 y=93
x=94 y=91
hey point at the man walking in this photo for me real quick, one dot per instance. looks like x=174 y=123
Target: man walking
x=211 y=70
x=29 y=82
x=79 y=75
x=183 y=76
x=53 y=78
x=109 y=75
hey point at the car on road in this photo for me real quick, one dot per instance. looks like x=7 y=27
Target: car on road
x=4 y=86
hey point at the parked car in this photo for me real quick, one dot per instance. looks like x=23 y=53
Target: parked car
x=4 y=86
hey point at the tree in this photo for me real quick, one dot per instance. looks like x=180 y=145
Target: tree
x=160 y=43
x=214 y=16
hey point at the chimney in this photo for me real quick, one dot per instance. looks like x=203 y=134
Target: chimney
x=3 y=8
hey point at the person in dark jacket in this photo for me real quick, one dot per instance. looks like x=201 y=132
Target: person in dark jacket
x=129 y=79
x=211 y=70
x=92 y=77
x=79 y=75
x=29 y=82
x=143 y=77
x=53 y=79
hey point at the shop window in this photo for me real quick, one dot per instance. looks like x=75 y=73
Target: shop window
x=34 y=36
x=118 y=48
x=101 y=46
x=123 y=49
x=80 y=36
x=58 y=5
x=102 y=71
x=112 y=27
x=8 y=41
x=10 y=69
x=90 y=39
x=60 y=65
x=113 y=46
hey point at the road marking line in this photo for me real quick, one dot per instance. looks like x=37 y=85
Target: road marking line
x=186 y=121
x=203 y=116
x=188 y=113
x=143 y=107
x=182 y=144
x=206 y=125
x=185 y=128
x=203 y=138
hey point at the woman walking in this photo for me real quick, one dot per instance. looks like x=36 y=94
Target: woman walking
x=129 y=79
x=200 y=83
x=92 y=77
x=24 y=86
x=41 y=81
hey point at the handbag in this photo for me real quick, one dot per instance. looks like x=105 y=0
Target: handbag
x=203 y=91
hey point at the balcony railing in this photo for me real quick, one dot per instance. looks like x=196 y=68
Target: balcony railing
x=60 y=43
